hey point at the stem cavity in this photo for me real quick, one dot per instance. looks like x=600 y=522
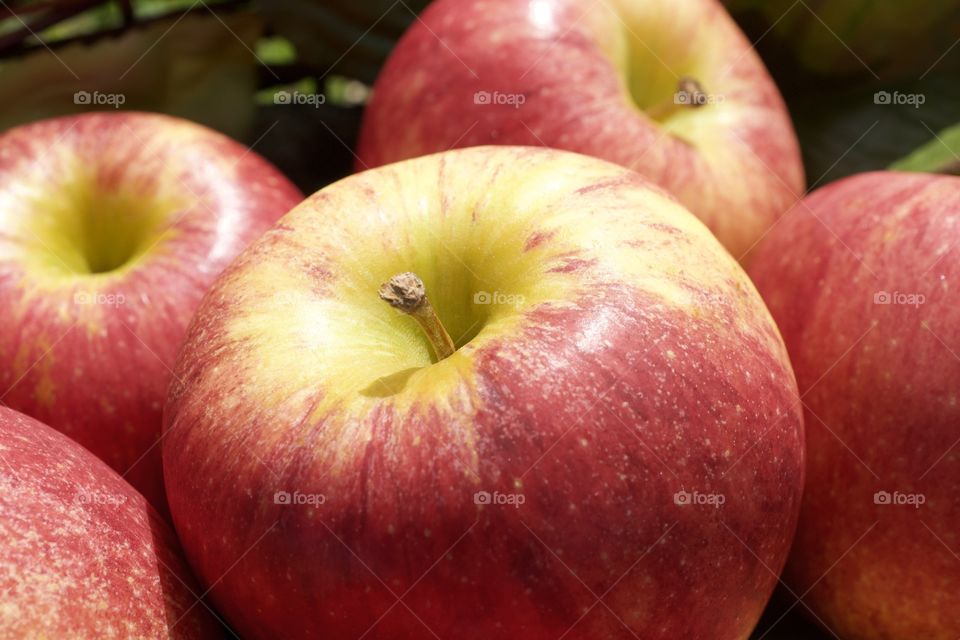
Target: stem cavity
x=689 y=95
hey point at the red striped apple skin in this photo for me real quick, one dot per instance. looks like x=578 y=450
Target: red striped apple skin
x=91 y=354
x=640 y=363
x=82 y=554
x=589 y=75
x=880 y=378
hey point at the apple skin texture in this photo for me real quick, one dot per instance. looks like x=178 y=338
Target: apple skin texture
x=589 y=75
x=114 y=225
x=82 y=554
x=881 y=384
x=639 y=362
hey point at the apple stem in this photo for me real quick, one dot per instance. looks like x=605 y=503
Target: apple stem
x=405 y=292
x=689 y=95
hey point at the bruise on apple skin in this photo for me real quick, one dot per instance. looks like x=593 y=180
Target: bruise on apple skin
x=82 y=554
x=616 y=384
x=881 y=382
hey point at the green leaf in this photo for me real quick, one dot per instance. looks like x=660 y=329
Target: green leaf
x=276 y=51
x=940 y=155
x=843 y=132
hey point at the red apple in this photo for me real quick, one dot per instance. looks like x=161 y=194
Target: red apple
x=613 y=448
x=82 y=554
x=113 y=226
x=862 y=278
x=670 y=89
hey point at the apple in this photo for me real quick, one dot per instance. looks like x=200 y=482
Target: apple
x=861 y=277
x=581 y=424
x=114 y=225
x=670 y=89
x=82 y=554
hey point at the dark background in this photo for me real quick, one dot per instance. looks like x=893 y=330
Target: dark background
x=220 y=63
